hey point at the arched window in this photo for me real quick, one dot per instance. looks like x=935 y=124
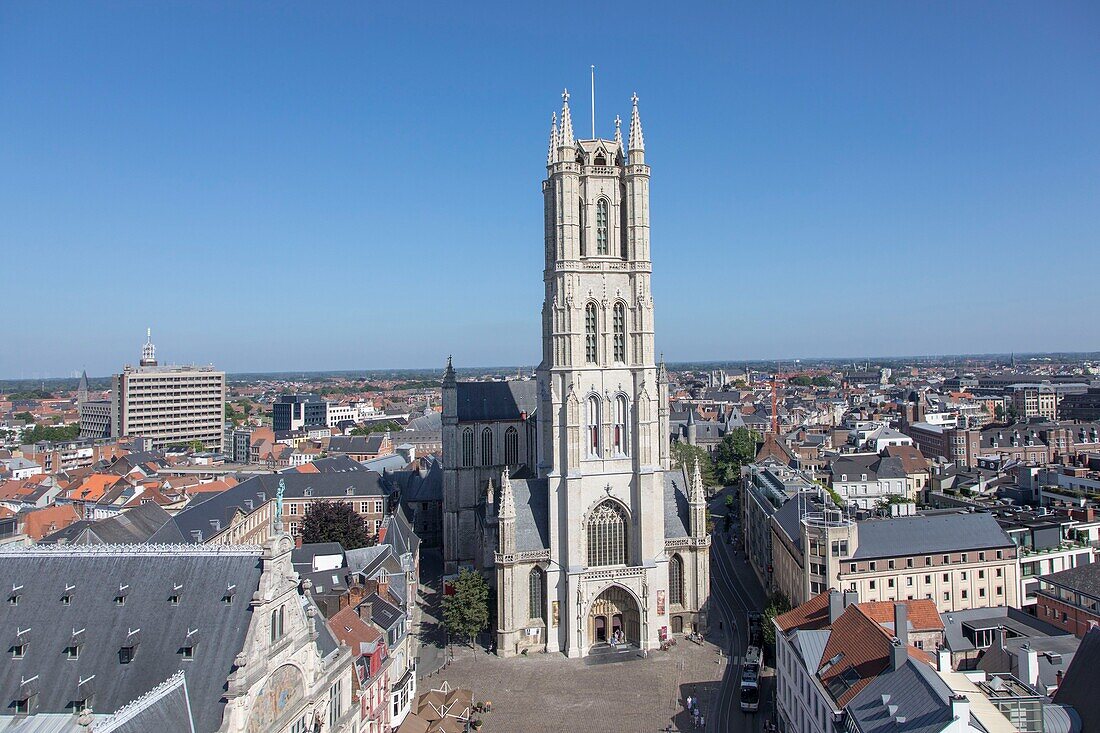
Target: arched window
x=487 y=447
x=511 y=446
x=580 y=220
x=618 y=319
x=467 y=448
x=537 y=595
x=676 y=580
x=607 y=535
x=618 y=435
x=592 y=429
x=591 y=350
x=601 y=227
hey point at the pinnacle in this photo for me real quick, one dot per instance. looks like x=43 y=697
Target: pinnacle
x=637 y=142
x=565 y=139
x=551 y=154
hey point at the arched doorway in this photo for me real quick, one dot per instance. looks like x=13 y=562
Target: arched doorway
x=614 y=616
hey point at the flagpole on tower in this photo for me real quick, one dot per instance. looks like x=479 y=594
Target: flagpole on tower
x=593 y=101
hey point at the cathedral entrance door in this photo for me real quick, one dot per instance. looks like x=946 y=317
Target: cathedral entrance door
x=614 y=614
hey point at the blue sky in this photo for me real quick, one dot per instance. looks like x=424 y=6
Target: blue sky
x=283 y=186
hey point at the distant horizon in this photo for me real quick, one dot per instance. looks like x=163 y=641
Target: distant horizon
x=672 y=364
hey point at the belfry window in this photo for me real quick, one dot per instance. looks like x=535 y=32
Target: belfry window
x=487 y=447
x=676 y=580
x=537 y=605
x=619 y=324
x=467 y=448
x=511 y=446
x=607 y=535
x=591 y=349
x=601 y=227
x=592 y=422
x=618 y=437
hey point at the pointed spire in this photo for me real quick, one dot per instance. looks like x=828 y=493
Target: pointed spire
x=662 y=372
x=83 y=385
x=691 y=416
x=637 y=142
x=565 y=140
x=552 y=152
x=507 y=499
x=619 y=131
x=695 y=487
x=449 y=374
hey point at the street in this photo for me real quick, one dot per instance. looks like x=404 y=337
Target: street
x=735 y=591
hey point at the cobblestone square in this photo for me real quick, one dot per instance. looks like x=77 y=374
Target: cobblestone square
x=547 y=692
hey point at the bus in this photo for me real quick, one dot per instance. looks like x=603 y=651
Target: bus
x=750 y=679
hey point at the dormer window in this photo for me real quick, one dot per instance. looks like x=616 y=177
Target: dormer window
x=72 y=651
x=174 y=599
x=126 y=654
x=16 y=592
x=18 y=650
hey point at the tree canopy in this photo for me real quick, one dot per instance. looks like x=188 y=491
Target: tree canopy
x=737 y=448
x=336 y=521
x=685 y=456
x=377 y=427
x=466 y=610
x=778 y=604
x=57 y=433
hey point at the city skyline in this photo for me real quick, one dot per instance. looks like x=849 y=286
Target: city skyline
x=188 y=167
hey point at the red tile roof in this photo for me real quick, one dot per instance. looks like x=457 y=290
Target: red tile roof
x=813 y=614
x=922 y=613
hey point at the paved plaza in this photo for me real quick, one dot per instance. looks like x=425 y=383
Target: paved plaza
x=547 y=692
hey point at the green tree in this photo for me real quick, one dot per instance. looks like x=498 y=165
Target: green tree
x=685 y=456
x=737 y=448
x=24 y=416
x=466 y=610
x=336 y=521
x=800 y=381
x=778 y=604
x=196 y=446
x=54 y=434
x=822 y=381
x=232 y=416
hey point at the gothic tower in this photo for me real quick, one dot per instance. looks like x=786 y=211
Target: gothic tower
x=600 y=432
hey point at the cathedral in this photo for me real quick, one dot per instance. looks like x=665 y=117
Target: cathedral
x=561 y=489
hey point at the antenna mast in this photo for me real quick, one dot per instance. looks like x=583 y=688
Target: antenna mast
x=593 y=101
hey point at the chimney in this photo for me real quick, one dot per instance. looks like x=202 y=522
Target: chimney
x=1028 y=665
x=899 y=653
x=1058 y=679
x=901 y=623
x=298 y=541
x=960 y=712
x=383 y=584
x=363 y=610
x=836 y=606
x=943 y=659
x=851 y=598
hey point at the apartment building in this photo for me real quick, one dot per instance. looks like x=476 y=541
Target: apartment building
x=1034 y=400
x=865 y=479
x=1046 y=543
x=1070 y=600
x=957 y=559
x=766 y=487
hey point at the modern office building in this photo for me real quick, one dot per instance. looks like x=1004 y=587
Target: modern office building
x=296 y=411
x=169 y=405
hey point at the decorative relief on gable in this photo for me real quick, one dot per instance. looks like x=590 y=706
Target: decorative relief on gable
x=282 y=691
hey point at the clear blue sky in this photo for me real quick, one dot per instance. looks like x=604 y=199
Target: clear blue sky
x=277 y=186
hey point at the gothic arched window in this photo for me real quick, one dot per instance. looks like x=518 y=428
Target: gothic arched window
x=592 y=426
x=607 y=535
x=591 y=349
x=676 y=580
x=467 y=448
x=580 y=220
x=511 y=446
x=601 y=227
x=537 y=603
x=618 y=319
x=487 y=447
x=618 y=436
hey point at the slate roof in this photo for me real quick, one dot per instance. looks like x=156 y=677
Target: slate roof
x=676 y=504
x=918 y=698
x=433 y=421
x=1079 y=684
x=874 y=466
x=487 y=401
x=165 y=709
x=223 y=506
x=532 y=516
x=1018 y=621
x=337 y=464
x=357 y=444
x=1055 y=653
x=133 y=525
x=1082 y=579
x=93 y=576
x=929 y=534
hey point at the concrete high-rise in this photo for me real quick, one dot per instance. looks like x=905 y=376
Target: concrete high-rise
x=170 y=405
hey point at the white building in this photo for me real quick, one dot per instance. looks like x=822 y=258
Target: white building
x=564 y=485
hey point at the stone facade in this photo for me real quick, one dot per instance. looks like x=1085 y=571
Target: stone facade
x=589 y=533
